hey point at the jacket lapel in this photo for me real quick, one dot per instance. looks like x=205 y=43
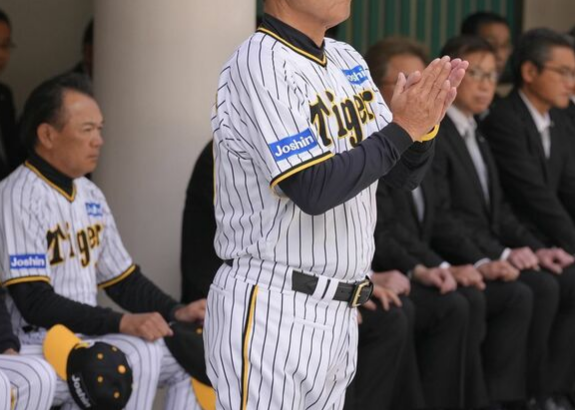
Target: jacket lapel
x=456 y=141
x=531 y=129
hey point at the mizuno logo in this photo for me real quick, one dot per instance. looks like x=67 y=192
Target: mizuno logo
x=293 y=145
x=31 y=261
x=94 y=209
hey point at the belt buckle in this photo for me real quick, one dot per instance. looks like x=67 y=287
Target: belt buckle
x=356 y=297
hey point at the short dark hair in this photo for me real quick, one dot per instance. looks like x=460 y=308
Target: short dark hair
x=88 y=37
x=379 y=54
x=44 y=105
x=460 y=46
x=473 y=23
x=5 y=19
x=535 y=46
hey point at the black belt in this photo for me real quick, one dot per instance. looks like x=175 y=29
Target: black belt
x=355 y=294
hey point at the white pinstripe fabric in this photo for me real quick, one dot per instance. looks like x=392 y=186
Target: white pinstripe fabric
x=33 y=381
x=5 y=392
x=31 y=211
x=301 y=351
x=152 y=366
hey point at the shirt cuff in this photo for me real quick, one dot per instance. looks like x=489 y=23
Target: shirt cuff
x=505 y=254
x=481 y=262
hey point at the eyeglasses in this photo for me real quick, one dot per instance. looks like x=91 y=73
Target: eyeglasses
x=478 y=74
x=566 y=74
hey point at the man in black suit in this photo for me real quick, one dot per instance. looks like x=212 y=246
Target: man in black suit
x=467 y=179
x=11 y=151
x=530 y=138
x=458 y=382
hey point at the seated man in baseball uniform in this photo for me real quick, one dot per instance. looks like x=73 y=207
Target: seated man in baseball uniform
x=60 y=244
x=26 y=383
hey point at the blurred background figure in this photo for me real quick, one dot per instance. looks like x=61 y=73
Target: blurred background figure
x=10 y=150
x=495 y=30
x=86 y=64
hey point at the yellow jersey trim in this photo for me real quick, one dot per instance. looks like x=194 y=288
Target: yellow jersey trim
x=322 y=62
x=26 y=279
x=431 y=134
x=300 y=167
x=245 y=354
x=53 y=185
x=118 y=278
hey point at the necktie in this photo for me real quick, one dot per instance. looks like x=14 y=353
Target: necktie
x=417 y=194
x=473 y=148
x=546 y=141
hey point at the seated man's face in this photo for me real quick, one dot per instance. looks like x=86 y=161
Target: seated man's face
x=554 y=82
x=401 y=63
x=499 y=36
x=76 y=145
x=5 y=45
x=478 y=86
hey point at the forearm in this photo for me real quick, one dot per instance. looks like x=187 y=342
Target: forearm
x=137 y=294
x=334 y=181
x=41 y=306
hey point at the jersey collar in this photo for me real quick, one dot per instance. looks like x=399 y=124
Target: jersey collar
x=294 y=39
x=60 y=182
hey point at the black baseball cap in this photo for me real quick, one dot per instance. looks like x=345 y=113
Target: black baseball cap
x=187 y=347
x=98 y=374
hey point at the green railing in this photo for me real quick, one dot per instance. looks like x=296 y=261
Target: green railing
x=431 y=22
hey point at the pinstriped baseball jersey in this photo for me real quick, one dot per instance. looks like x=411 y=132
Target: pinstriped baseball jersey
x=70 y=241
x=302 y=110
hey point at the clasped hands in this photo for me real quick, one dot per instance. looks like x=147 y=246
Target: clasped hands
x=420 y=100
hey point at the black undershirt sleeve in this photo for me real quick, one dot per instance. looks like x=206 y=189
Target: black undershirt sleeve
x=40 y=306
x=138 y=294
x=8 y=340
x=389 y=153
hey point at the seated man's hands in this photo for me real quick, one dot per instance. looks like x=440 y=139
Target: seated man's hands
x=440 y=278
x=554 y=259
x=193 y=312
x=467 y=275
x=148 y=326
x=387 y=297
x=523 y=258
x=495 y=270
x=393 y=280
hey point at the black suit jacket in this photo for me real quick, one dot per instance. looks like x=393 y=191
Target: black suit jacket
x=389 y=252
x=9 y=130
x=402 y=241
x=432 y=239
x=199 y=262
x=491 y=224
x=541 y=190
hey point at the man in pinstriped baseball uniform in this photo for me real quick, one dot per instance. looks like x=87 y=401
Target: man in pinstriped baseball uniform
x=301 y=136
x=26 y=383
x=59 y=243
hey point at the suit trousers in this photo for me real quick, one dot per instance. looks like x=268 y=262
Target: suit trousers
x=550 y=352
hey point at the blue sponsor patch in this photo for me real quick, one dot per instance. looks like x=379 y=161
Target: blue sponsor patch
x=94 y=209
x=30 y=261
x=296 y=144
x=356 y=75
